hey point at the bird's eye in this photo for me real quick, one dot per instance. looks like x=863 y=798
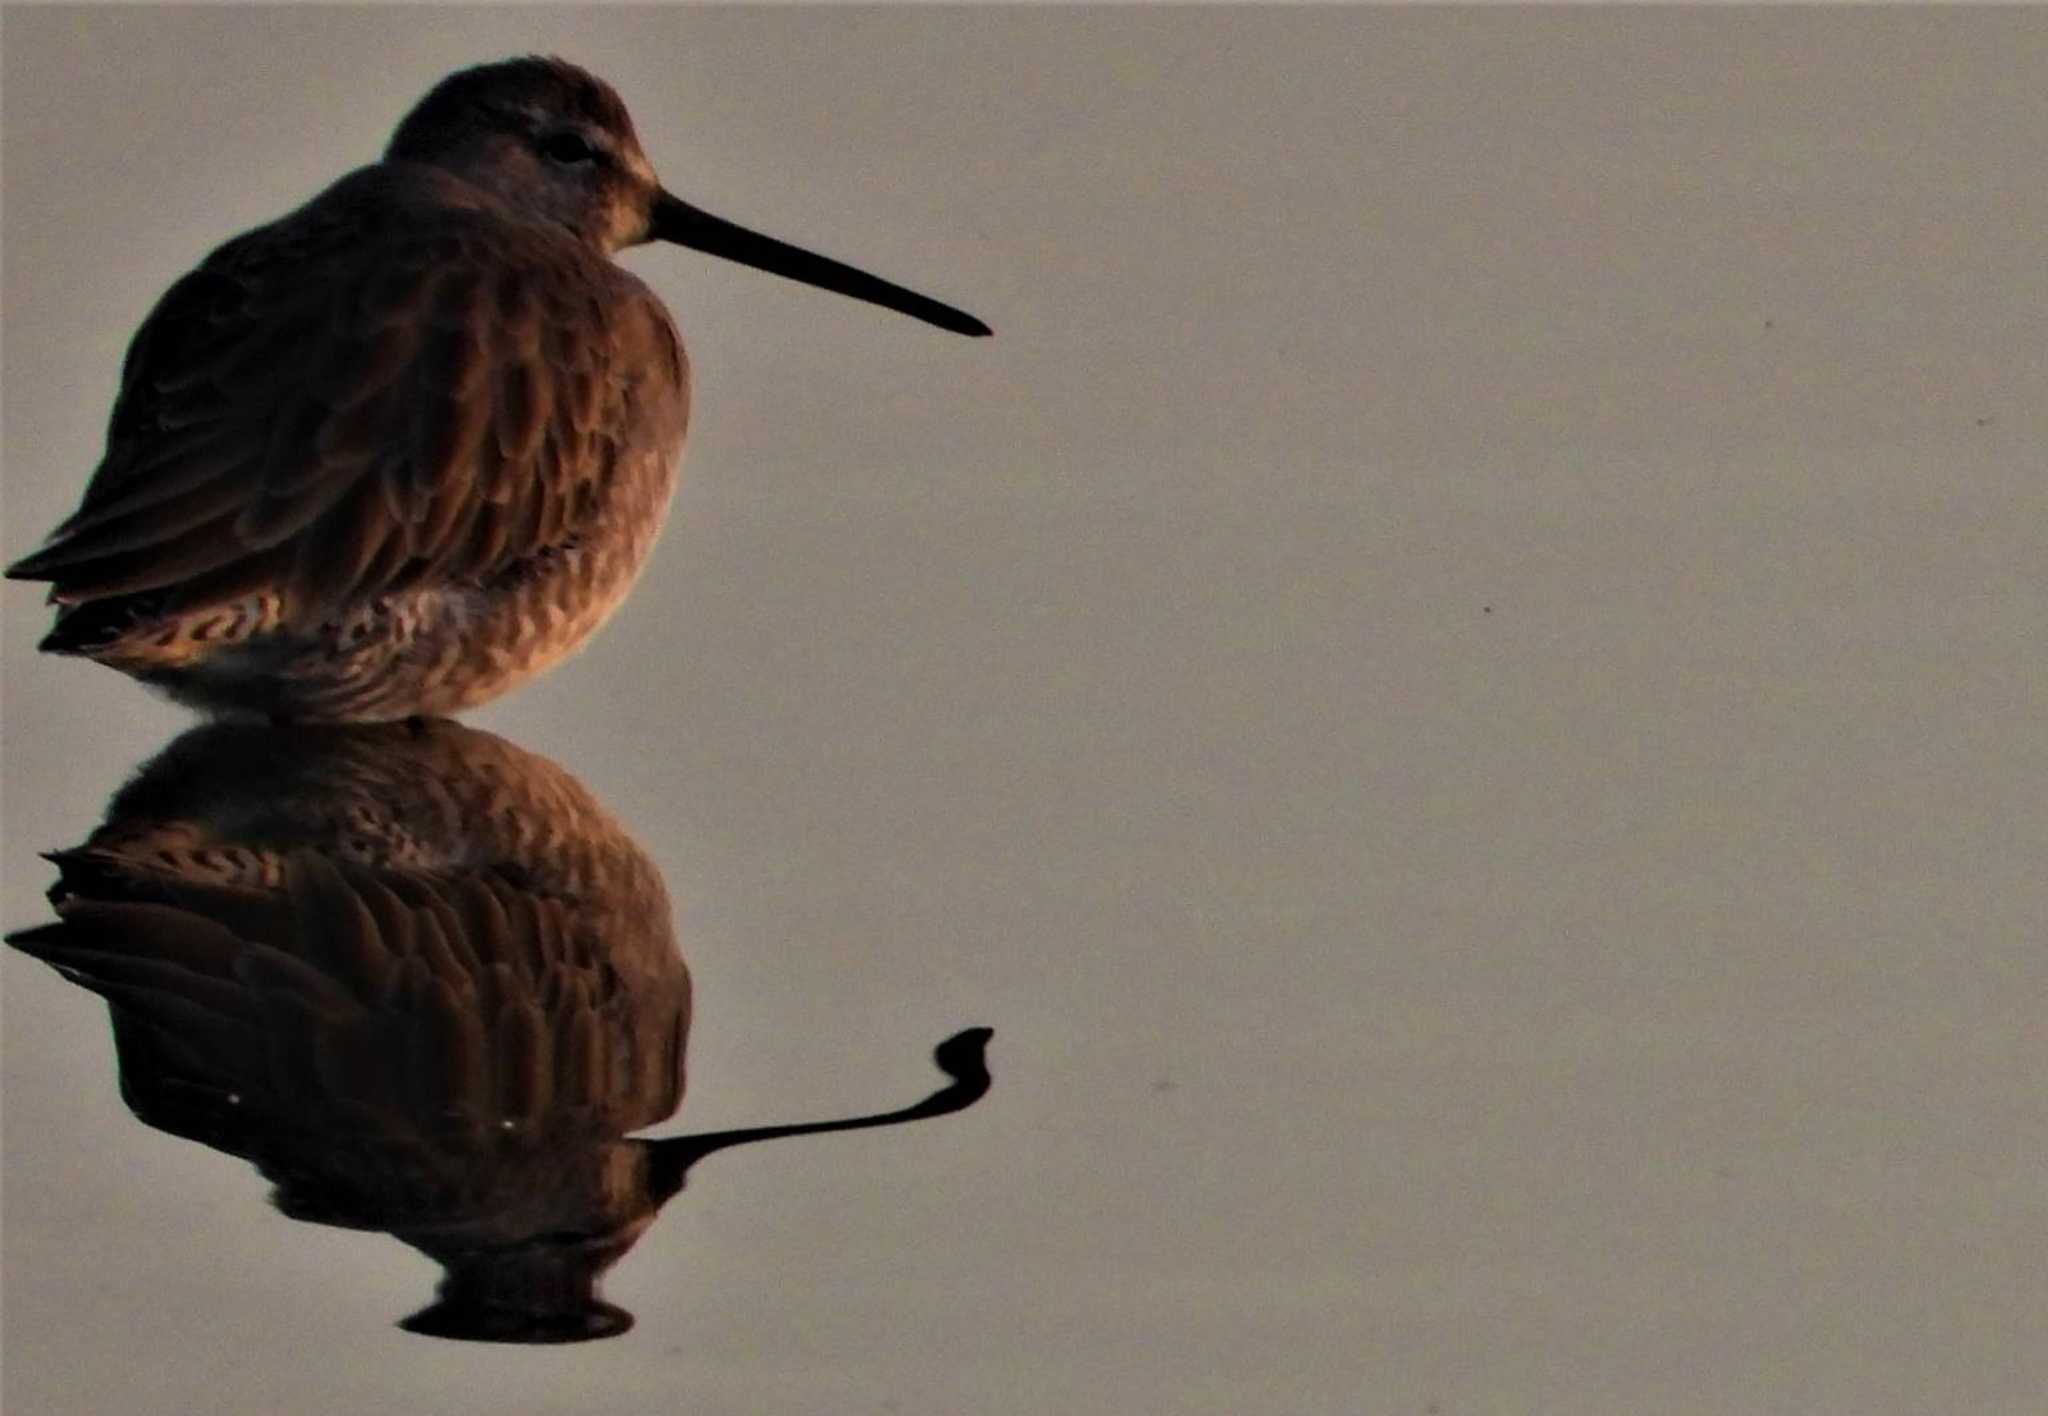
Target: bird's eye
x=567 y=147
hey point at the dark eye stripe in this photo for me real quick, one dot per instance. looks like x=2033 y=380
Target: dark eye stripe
x=567 y=147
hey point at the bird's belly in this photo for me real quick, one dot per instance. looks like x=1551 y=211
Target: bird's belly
x=429 y=652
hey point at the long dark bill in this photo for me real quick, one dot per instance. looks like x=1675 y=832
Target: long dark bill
x=676 y=220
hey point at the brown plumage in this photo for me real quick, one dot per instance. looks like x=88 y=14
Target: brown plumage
x=409 y=891
x=412 y=443
x=425 y=983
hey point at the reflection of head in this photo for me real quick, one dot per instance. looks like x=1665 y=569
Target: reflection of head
x=546 y=1290
x=542 y=1289
x=422 y=981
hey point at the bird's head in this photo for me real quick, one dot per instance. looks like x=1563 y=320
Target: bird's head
x=556 y=143
x=543 y=136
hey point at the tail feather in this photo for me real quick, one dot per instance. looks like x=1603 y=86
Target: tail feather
x=91 y=627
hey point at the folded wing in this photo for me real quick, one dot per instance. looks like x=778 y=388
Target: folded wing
x=359 y=401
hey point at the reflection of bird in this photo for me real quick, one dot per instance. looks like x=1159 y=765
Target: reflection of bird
x=410 y=444
x=424 y=982
x=419 y=977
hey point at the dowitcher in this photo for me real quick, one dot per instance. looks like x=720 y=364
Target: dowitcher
x=410 y=444
x=426 y=983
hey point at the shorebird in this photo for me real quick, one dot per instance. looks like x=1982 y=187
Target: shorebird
x=426 y=984
x=411 y=444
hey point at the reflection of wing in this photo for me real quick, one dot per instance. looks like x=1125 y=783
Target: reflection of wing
x=385 y=390
x=402 y=1002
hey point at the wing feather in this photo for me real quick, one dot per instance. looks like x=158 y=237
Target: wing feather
x=397 y=383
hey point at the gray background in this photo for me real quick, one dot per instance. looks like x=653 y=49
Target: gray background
x=1459 y=683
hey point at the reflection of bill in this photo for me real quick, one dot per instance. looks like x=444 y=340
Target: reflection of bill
x=425 y=983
